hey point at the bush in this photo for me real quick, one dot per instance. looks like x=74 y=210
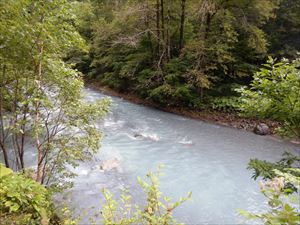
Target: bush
x=112 y=81
x=225 y=104
x=147 y=80
x=157 y=210
x=169 y=95
x=284 y=206
x=265 y=169
x=281 y=186
x=275 y=94
x=22 y=200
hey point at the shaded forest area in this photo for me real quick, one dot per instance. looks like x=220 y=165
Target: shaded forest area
x=185 y=53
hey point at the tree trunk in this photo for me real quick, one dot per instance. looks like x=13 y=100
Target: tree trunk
x=23 y=127
x=158 y=28
x=147 y=23
x=2 y=131
x=5 y=155
x=39 y=171
x=162 y=15
x=15 y=136
x=182 y=21
x=207 y=25
x=168 y=35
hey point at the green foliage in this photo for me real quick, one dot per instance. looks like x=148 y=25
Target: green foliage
x=4 y=171
x=172 y=96
x=41 y=92
x=174 y=90
x=275 y=93
x=284 y=207
x=225 y=104
x=137 y=46
x=285 y=41
x=157 y=210
x=23 y=201
x=265 y=169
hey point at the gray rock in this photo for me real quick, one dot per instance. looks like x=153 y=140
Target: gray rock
x=262 y=129
x=137 y=135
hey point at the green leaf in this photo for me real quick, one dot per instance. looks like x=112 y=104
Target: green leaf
x=4 y=171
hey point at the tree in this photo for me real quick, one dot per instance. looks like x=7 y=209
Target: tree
x=138 y=45
x=283 y=31
x=40 y=99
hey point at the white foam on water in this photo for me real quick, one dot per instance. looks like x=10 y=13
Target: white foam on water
x=152 y=137
x=112 y=123
x=185 y=141
x=82 y=172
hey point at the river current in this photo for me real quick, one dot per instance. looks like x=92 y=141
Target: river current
x=207 y=159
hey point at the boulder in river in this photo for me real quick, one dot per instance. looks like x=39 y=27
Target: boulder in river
x=262 y=129
x=152 y=137
x=110 y=164
x=136 y=135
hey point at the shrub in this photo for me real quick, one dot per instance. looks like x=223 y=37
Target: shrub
x=169 y=95
x=225 y=104
x=157 y=210
x=265 y=169
x=147 y=80
x=284 y=206
x=22 y=200
x=113 y=81
x=275 y=94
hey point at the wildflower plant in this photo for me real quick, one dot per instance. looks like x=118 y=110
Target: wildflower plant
x=283 y=202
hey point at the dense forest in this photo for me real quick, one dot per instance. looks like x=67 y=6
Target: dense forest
x=239 y=57
x=183 y=53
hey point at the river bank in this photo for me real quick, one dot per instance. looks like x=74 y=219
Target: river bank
x=221 y=118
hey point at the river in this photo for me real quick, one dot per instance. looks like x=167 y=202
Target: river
x=207 y=159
